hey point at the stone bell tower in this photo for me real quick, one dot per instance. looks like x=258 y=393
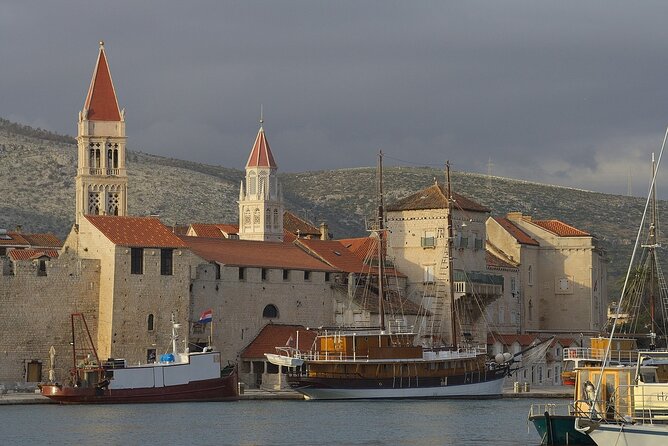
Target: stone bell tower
x=101 y=181
x=261 y=202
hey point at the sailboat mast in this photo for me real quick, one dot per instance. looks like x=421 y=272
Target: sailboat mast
x=652 y=259
x=381 y=251
x=453 y=314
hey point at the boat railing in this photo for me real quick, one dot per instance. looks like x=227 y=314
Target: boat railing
x=597 y=354
x=643 y=402
x=552 y=409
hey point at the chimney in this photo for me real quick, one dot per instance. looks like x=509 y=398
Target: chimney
x=514 y=216
x=324 y=231
x=18 y=228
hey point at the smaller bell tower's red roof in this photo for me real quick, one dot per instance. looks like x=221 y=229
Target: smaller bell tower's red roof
x=101 y=101
x=261 y=155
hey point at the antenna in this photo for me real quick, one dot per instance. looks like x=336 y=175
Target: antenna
x=489 y=172
x=261 y=115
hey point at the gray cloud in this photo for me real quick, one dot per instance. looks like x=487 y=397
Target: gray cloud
x=571 y=93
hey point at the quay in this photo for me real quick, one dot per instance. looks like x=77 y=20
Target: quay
x=18 y=398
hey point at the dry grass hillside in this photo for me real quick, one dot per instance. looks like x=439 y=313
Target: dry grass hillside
x=37 y=171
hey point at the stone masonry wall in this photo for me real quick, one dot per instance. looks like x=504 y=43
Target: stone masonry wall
x=36 y=313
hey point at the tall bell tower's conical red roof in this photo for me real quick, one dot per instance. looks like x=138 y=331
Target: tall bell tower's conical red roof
x=101 y=103
x=261 y=155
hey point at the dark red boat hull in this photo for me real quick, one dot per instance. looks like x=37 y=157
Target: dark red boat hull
x=218 y=389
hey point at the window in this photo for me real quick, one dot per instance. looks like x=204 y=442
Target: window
x=242 y=273
x=270 y=312
x=41 y=268
x=217 y=267
x=463 y=242
x=150 y=356
x=530 y=276
x=478 y=243
x=429 y=274
x=136 y=260
x=267 y=218
x=307 y=275
x=327 y=277
x=265 y=272
x=149 y=322
x=252 y=183
x=166 y=262
x=286 y=274
x=428 y=240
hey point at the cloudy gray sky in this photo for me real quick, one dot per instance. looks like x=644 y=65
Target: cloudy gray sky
x=563 y=92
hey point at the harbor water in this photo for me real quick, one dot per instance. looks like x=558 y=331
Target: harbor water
x=275 y=422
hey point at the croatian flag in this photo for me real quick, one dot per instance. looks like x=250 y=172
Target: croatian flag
x=206 y=316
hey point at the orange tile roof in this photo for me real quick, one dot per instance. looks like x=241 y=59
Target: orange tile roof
x=522 y=237
x=145 y=232
x=31 y=254
x=334 y=253
x=496 y=261
x=101 y=101
x=560 y=228
x=524 y=340
x=294 y=224
x=13 y=239
x=278 y=335
x=362 y=247
x=46 y=240
x=257 y=254
x=261 y=155
x=206 y=230
x=435 y=197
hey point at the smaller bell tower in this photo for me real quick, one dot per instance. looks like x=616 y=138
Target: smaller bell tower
x=101 y=181
x=261 y=201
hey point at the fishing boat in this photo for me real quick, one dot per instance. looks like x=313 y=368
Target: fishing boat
x=628 y=376
x=633 y=412
x=175 y=377
x=389 y=361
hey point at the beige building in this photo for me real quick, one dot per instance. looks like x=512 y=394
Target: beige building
x=418 y=246
x=562 y=273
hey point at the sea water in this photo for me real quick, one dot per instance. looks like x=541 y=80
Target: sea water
x=402 y=422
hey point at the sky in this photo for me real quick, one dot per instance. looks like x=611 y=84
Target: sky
x=573 y=93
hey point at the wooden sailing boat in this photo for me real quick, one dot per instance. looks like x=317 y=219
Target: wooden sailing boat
x=385 y=363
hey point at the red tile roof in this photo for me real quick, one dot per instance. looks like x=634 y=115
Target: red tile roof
x=295 y=225
x=560 y=228
x=277 y=335
x=206 y=230
x=495 y=261
x=46 y=240
x=364 y=248
x=101 y=101
x=254 y=254
x=435 y=197
x=31 y=254
x=144 y=232
x=524 y=340
x=13 y=239
x=522 y=237
x=334 y=253
x=261 y=155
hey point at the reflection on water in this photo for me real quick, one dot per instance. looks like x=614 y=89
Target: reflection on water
x=405 y=422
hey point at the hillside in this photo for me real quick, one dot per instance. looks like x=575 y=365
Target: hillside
x=37 y=170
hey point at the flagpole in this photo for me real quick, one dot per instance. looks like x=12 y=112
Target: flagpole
x=211 y=330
